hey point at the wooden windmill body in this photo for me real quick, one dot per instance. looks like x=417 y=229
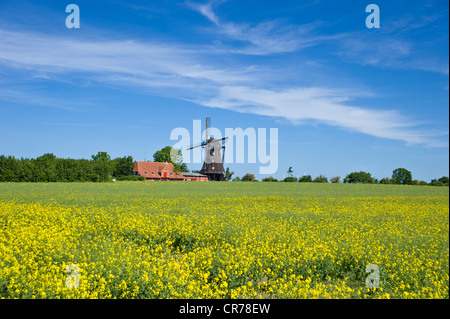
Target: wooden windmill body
x=213 y=159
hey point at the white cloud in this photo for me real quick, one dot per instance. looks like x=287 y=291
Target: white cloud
x=142 y=60
x=388 y=47
x=263 y=38
x=403 y=43
x=192 y=74
x=25 y=96
x=270 y=37
x=389 y=52
x=206 y=10
x=325 y=106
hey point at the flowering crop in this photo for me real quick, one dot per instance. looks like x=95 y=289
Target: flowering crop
x=223 y=240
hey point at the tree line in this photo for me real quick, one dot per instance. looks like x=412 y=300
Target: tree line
x=99 y=168
x=49 y=168
x=400 y=176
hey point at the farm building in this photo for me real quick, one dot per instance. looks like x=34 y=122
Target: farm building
x=156 y=171
x=195 y=177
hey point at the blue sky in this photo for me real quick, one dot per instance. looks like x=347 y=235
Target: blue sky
x=343 y=97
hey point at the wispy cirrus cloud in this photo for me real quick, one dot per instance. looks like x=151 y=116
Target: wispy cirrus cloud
x=150 y=64
x=190 y=73
x=392 y=52
x=68 y=124
x=206 y=9
x=395 y=45
x=326 y=106
x=267 y=37
x=387 y=47
x=272 y=37
x=24 y=96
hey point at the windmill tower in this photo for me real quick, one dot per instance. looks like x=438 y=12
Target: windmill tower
x=213 y=164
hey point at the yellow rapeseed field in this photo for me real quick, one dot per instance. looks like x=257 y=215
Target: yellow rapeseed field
x=216 y=240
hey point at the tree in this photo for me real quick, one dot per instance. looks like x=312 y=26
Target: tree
x=402 y=176
x=359 y=177
x=163 y=155
x=320 y=179
x=86 y=171
x=237 y=179
x=335 y=179
x=102 y=167
x=435 y=182
x=8 y=166
x=46 y=165
x=305 y=179
x=290 y=171
x=386 y=180
x=443 y=181
x=122 y=166
x=49 y=168
x=184 y=168
x=290 y=177
x=170 y=155
x=228 y=175
x=249 y=178
x=269 y=179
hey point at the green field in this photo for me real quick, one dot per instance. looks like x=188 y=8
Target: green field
x=223 y=240
x=131 y=190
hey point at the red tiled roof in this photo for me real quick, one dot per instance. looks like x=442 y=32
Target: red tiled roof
x=154 y=170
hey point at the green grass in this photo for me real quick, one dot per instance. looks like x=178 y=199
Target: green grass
x=92 y=193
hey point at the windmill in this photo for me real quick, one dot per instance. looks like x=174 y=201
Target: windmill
x=213 y=164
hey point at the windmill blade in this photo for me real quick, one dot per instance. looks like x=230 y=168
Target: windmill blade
x=195 y=146
x=223 y=139
x=207 y=125
x=223 y=154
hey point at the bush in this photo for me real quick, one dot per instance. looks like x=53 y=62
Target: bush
x=290 y=179
x=269 y=179
x=249 y=178
x=320 y=179
x=130 y=178
x=443 y=181
x=335 y=179
x=305 y=179
x=359 y=177
x=435 y=182
x=386 y=180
